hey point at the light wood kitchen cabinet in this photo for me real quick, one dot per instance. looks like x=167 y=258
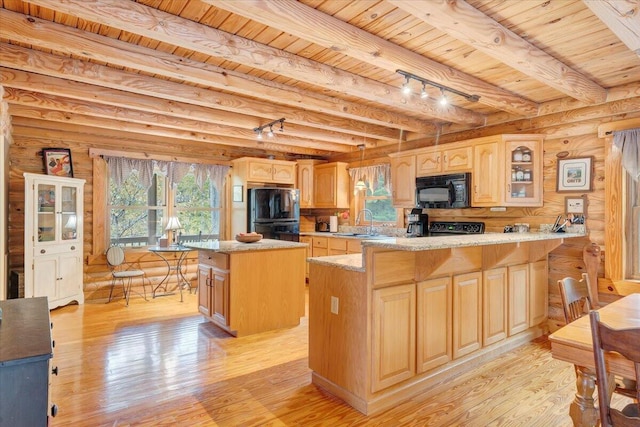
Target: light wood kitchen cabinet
x=308 y=252
x=394 y=320
x=434 y=323
x=488 y=176
x=305 y=181
x=331 y=186
x=494 y=305
x=518 y=279
x=213 y=286
x=467 y=313
x=538 y=292
x=403 y=180
x=320 y=246
x=439 y=160
x=270 y=171
x=337 y=246
x=53 y=233
x=523 y=170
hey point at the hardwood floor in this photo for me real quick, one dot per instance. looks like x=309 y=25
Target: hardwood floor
x=159 y=363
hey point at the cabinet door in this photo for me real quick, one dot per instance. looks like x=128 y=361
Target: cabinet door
x=45 y=277
x=434 y=323
x=260 y=171
x=70 y=272
x=403 y=181
x=538 y=293
x=467 y=313
x=518 y=298
x=220 y=296
x=204 y=289
x=457 y=159
x=305 y=184
x=524 y=170
x=308 y=252
x=337 y=246
x=394 y=335
x=494 y=304
x=487 y=175
x=284 y=174
x=325 y=185
x=429 y=163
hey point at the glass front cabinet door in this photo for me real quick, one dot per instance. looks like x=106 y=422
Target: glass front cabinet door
x=54 y=238
x=524 y=170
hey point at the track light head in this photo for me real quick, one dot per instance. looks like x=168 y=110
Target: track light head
x=443 y=98
x=423 y=93
x=270 y=133
x=406 y=89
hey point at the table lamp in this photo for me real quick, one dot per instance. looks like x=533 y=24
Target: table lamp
x=173 y=224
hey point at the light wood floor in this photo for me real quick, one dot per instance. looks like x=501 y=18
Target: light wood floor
x=159 y=363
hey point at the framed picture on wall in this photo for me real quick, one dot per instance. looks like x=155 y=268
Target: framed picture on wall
x=57 y=161
x=575 y=174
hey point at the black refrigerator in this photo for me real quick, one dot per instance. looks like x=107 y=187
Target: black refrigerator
x=274 y=212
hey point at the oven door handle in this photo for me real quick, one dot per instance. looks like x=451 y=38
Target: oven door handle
x=452 y=193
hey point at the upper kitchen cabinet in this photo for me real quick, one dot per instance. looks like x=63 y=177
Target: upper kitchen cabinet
x=523 y=170
x=331 y=186
x=444 y=160
x=488 y=173
x=403 y=180
x=265 y=170
x=53 y=232
x=305 y=181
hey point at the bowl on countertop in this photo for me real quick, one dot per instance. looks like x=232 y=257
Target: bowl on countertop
x=248 y=238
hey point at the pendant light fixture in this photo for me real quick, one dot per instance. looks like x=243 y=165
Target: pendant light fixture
x=360 y=184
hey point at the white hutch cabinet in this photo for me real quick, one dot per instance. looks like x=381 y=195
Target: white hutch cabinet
x=53 y=238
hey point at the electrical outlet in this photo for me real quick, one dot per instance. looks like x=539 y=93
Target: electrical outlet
x=334 y=305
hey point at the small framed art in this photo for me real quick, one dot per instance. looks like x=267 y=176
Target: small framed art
x=57 y=161
x=575 y=174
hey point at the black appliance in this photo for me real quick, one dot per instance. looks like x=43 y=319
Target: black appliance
x=444 y=228
x=444 y=191
x=274 y=212
x=417 y=223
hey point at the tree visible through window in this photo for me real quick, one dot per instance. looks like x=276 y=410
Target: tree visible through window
x=379 y=202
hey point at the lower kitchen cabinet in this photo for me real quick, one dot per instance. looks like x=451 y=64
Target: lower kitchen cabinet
x=320 y=246
x=518 y=298
x=494 y=305
x=213 y=287
x=467 y=313
x=434 y=323
x=25 y=353
x=538 y=292
x=394 y=335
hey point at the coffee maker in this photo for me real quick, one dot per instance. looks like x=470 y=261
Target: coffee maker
x=418 y=223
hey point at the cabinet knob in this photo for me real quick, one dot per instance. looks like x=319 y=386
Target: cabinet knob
x=54 y=410
x=73 y=248
x=53 y=343
x=54 y=370
x=43 y=251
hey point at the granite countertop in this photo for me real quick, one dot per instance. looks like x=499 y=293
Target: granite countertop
x=355 y=262
x=235 y=246
x=457 y=241
x=345 y=235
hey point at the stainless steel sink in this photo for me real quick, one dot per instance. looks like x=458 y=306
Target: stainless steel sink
x=363 y=235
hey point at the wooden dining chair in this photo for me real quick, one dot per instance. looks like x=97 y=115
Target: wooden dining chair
x=575 y=296
x=626 y=342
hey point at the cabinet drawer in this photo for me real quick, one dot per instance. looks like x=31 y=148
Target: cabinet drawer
x=320 y=242
x=63 y=248
x=338 y=244
x=354 y=246
x=214 y=259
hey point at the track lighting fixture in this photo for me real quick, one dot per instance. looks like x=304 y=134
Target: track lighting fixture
x=259 y=130
x=406 y=89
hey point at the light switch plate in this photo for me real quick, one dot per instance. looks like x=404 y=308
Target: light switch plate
x=334 y=305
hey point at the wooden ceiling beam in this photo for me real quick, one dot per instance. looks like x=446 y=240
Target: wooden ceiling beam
x=66 y=68
x=174 y=30
x=282 y=144
x=56 y=103
x=310 y=24
x=467 y=24
x=204 y=123
x=366 y=121
x=622 y=17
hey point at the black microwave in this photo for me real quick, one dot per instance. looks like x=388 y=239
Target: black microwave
x=444 y=191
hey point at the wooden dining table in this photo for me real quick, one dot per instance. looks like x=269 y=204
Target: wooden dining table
x=572 y=343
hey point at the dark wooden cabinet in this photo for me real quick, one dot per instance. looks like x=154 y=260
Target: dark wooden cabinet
x=25 y=352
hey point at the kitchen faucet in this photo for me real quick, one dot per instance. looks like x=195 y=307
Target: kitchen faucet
x=364 y=212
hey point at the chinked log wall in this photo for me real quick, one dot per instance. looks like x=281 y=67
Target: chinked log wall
x=570 y=133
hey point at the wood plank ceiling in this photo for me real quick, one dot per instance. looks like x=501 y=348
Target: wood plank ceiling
x=213 y=70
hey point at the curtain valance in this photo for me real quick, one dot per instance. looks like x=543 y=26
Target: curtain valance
x=121 y=167
x=371 y=175
x=628 y=143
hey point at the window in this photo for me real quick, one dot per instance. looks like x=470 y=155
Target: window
x=632 y=226
x=379 y=202
x=138 y=215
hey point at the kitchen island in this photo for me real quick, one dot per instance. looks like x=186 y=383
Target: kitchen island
x=410 y=313
x=247 y=288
